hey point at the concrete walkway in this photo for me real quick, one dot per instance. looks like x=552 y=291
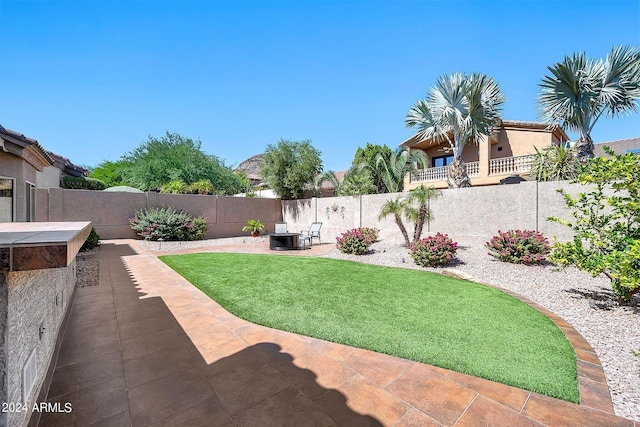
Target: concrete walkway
x=145 y=347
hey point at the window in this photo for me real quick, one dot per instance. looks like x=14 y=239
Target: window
x=6 y=200
x=439 y=161
x=30 y=211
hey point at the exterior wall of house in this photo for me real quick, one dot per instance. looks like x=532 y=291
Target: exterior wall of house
x=14 y=167
x=49 y=177
x=110 y=211
x=520 y=142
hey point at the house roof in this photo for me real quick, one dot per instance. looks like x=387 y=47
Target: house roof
x=66 y=166
x=512 y=124
x=326 y=185
x=251 y=167
x=620 y=146
x=22 y=141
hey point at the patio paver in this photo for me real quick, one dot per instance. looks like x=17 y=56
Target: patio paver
x=145 y=347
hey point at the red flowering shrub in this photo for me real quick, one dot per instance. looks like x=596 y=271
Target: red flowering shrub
x=519 y=246
x=434 y=251
x=357 y=241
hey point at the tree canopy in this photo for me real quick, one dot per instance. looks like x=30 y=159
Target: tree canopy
x=173 y=157
x=369 y=155
x=289 y=166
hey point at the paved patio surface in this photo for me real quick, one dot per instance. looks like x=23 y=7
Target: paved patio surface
x=146 y=348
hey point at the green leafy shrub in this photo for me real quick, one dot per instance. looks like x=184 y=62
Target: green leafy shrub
x=93 y=240
x=82 y=183
x=168 y=224
x=174 y=187
x=519 y=246
x=606 y=223
x=356 y=241
x=204 y=186
x=434 y=251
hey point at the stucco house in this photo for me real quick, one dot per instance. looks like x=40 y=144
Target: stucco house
x=25 y=166
x=507 y=152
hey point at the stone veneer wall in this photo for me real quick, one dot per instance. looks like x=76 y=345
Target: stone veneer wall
x=31 y=302
x=3 y=345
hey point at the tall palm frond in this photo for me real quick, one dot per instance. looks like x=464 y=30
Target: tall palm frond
x=579 y=90
x=395 y=208
x=459 y=109
x=326 y=176
x=394 y=169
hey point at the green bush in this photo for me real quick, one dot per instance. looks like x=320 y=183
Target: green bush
x=519 y=246
x=168 y=224
x=606 y=223
x=93 y=240
x=434 y=251
x=356 y=241
x=82 y=183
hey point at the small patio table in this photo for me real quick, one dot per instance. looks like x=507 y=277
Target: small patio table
x=283 y=241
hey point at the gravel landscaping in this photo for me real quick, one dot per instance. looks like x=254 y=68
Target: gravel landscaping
x=585 y=302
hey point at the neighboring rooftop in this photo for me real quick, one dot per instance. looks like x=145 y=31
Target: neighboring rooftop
x=66 y=166
x=620 y=146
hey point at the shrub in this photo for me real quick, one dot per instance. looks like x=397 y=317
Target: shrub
x=371 y=234
x=82 y=183
x=519 y=246
x=168 y=224
x=434 y=251
x=357 y=241
x=93 y=240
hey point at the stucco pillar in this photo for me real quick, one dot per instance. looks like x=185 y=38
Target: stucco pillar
x=485 y=151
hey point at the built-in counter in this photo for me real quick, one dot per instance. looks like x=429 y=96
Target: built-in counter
x=37 y=283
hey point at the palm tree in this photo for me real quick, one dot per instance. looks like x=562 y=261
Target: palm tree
x=357 y=180
x=580 y=90
x=393 y=170
x=555 y=163
x=420 y=196
x=395 y=208
x=460 y=109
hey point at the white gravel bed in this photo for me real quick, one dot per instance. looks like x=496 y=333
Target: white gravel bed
x=176 y=246
x=585 y=302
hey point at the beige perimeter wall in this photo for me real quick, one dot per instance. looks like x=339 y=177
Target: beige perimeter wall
x=110 y=211
x=478 y=211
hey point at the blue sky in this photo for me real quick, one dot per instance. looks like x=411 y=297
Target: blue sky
x=91 y=80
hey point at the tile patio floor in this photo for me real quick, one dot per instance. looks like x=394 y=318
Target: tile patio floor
x=144 y=347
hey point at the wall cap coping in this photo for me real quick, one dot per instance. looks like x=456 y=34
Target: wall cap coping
x=37 y=245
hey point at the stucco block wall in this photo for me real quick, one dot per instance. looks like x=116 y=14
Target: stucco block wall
x=110 y=212
x=478 y=211
x=3 y=345
x=32 y=302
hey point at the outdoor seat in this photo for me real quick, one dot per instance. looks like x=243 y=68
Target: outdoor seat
x=313 y=232
x=281 y=227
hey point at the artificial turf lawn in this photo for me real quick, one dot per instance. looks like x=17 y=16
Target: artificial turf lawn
x=417 y=315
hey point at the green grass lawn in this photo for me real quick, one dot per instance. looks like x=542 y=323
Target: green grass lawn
x=417 y=315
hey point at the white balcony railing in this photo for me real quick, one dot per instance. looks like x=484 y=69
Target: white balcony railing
x=509 y=165
x=501 y=166
x=441 y=173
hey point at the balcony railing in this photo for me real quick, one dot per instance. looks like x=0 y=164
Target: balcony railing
x=501 y=166
x=509 y=165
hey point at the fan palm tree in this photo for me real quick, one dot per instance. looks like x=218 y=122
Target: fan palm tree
x=395 y=208
x=580 y=90
x=419 y=214
x=460 y=109
x=393 y=170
